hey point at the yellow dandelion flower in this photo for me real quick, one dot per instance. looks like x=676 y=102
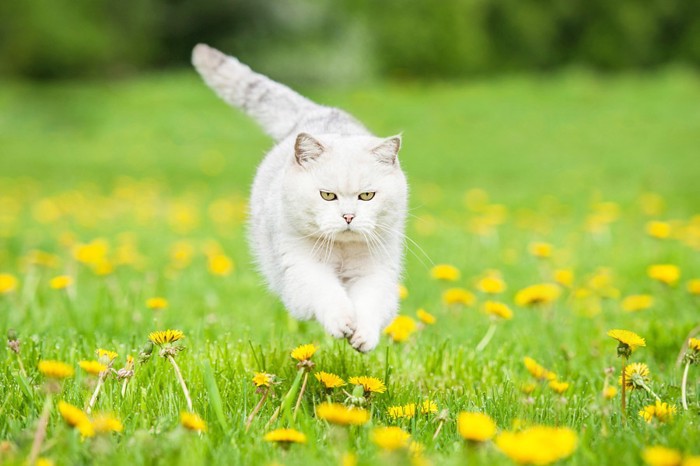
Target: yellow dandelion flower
x=220 y=265
x=339 y=414
x=527 y=387
x=401 y=328
x=636 y=376
x=661 y=456
x=445 y=272
x=181 y=254
x=304 y=352
x=627 y=339
x=370 y=384
x=61 y=282
x=92 y=367
x=348 y=459
x=55 y=369
x=693 y=460
x=533 y=295
x=558 y=386
x=162 y=337
x=694 y=344
x=637 y=302
x=694 y=286
x=667 y=274
x=403 y=292
x=390 y=438
x=329 y=380
x=428 y=407
x=262 y=379
x=8 y=283
x=425 y=317
x=658 y=230
x=396 y=412
x=538 y=371
x=106 y=423
x=662 y=412
x=106 y=356
x=157 y=303
x=75 y=417
x=541 y=250
x=192 y=421
x=285 y=436
x=497 y=309
x=538 y=444
x=609 y=392
x=476 y=427
x=458 y=296
x=565 y=277
x=41 y=461
x=491 y=284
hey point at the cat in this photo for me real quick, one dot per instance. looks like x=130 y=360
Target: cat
x=327 y=207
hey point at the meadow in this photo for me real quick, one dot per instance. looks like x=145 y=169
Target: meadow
x=122 y=213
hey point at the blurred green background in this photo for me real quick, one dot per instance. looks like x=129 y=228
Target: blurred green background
x=347 y=40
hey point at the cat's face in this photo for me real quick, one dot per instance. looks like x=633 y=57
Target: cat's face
x=346 y=188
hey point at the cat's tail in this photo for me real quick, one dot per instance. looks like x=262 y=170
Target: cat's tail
x=274 y=106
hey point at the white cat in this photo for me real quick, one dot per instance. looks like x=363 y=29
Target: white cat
x=327 y=208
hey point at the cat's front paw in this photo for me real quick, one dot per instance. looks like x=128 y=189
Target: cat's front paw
x=340 y=324
x=365 y=339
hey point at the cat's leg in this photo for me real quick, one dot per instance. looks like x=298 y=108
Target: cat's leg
x=311 y=289
x=375 y=299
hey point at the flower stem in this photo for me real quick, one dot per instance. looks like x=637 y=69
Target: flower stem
x=124 y=384
x=93 y=399
x=178 y=374
x=40 y=431
x=684 y=383
x=439 y=428
x=649 y=390
x=624 y=392
x=487 y=338
x=301 y=393
x=257 y=408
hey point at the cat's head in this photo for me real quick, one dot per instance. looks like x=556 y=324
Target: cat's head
x=346 y=187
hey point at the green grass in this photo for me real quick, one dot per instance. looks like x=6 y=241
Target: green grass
x=144 y=164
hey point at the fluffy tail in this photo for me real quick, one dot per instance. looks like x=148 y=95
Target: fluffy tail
x=274 y=106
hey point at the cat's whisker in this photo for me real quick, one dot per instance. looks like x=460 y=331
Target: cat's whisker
x=409 y=242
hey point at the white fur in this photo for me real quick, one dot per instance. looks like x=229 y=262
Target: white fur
x=343 y=274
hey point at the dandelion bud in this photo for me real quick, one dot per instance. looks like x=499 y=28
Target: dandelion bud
x=11 y=335
x=146 y=351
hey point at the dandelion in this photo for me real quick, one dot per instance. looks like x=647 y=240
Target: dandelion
x=106 y=359
x=126 y=373
x=692 y=356
x=403 y=292
x=658 y=230
x=92 y=367
x=668 y=274
x=106 y=356
x=192 y=421
x=693 y=286
x=8 y=283
x=61 y=282
x=55 y=369
x=13 y=343
x=543 y=293
x=369 y=384
x=538 y=444
x=564 y=277
x=627 y=341
x=285 y=437
x=76 y=418
x=661 y=456
x=220 y=265
x=339 y=414
x=458 y=296
x=445 y=272
x=407 y=411
x=558 y=386
x=425 y=317
x=401 y=328
x=390 y=438
x=328 y=380
x=636 y=376
x=106 y=423
x=659 y=411
x=609 y=392
x=637 y=302
x=156 y=304
x=263 y=382
x=538 y=371
x=476 y=427
x=492 y=283
x=496 y=311
x=165 y=339
x=540 y=250
x=303 y=354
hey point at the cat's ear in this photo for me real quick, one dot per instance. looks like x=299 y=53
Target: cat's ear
x=307 y=148
x=387 y=151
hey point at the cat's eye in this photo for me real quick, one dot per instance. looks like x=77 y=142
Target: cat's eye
x=366 y=196
x=328 y=196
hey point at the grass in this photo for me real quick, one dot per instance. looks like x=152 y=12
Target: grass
x=158 y=165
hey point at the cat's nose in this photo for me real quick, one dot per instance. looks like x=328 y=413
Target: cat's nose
x=348 y=218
